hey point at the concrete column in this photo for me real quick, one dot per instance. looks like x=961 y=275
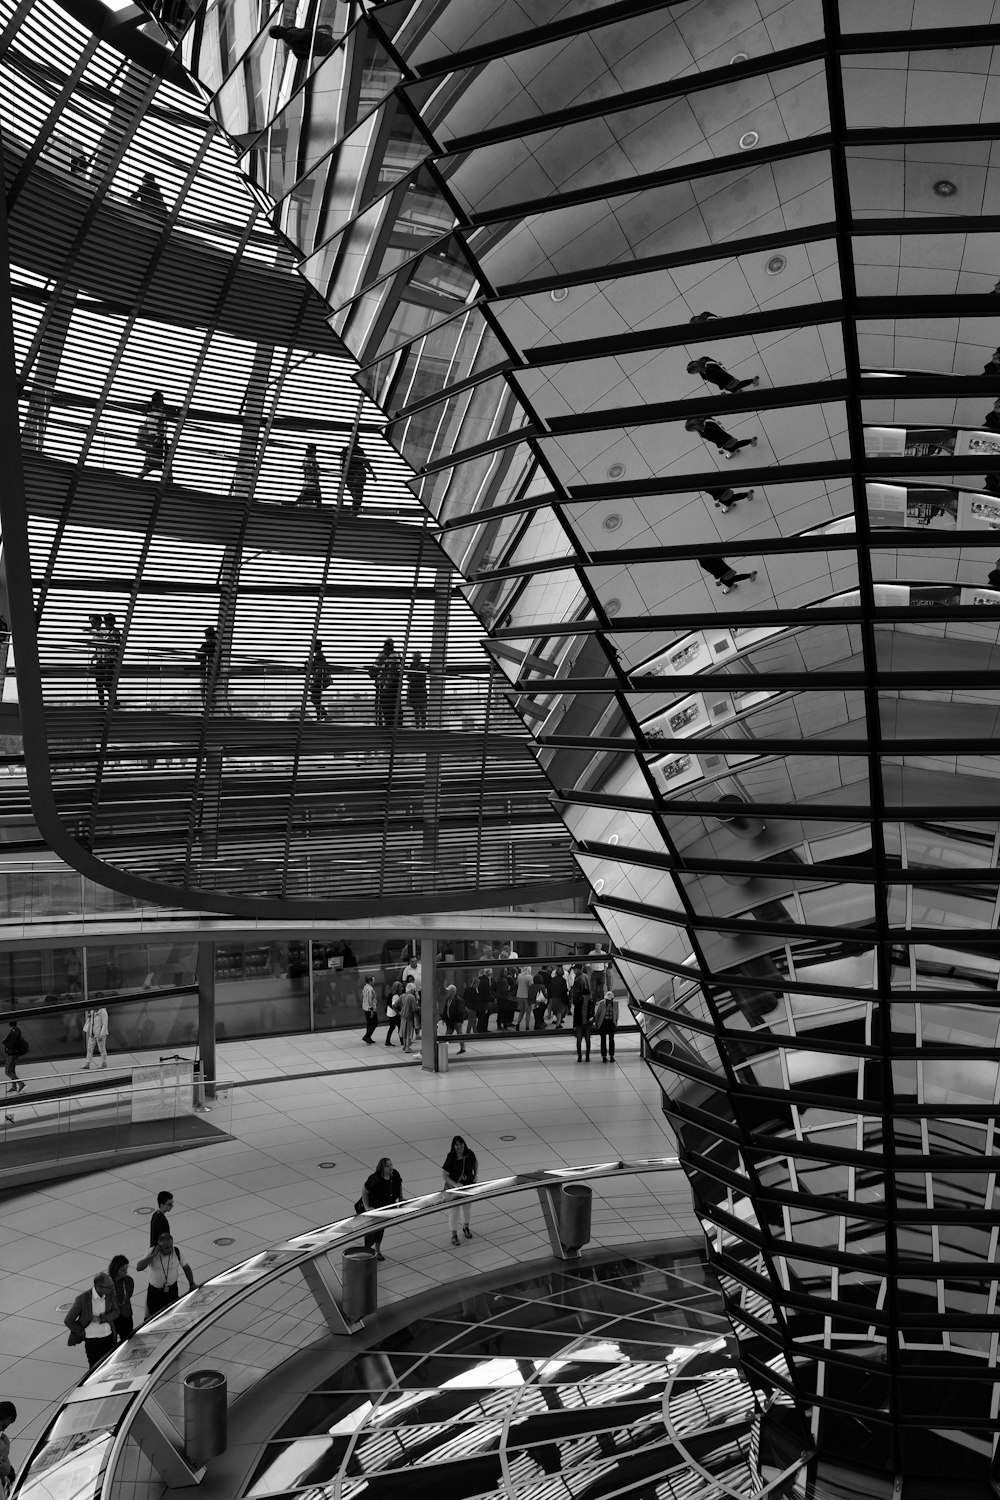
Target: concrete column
x=206 y=1015
x=428 y=1002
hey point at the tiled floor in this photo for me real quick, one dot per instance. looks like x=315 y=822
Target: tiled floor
x=518 y=1111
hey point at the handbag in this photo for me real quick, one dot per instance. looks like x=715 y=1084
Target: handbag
x=359 y=1207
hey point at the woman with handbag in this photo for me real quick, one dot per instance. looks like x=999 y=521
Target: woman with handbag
x=383 y=1187
x=124 y=1286
x=91 y=1320
x=460 y=1170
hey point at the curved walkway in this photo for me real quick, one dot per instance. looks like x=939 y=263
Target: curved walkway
x=517 y=1110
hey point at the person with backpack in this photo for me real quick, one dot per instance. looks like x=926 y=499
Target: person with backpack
x=453 y=1014
x=15 y=1046
x=606 y=1021
x=583 y=1013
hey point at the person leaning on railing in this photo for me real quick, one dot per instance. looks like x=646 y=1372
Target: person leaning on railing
x=165 y=1262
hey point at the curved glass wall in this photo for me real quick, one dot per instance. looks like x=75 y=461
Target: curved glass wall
x=686 y=319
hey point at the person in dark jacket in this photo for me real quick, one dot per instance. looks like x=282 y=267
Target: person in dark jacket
x=505 y=1000
x=453 y=1014
x=91 y=1319
x=713 y=373
x=993 y=576
x=320 y=678
x=207 y=655
x=148 y=197
x=109 y=653
x=383 y=1187
x=416 y=690
x=460 y=1170
x=123 y=1286
x=709 y=429
x=724 y=574
x=484 y=1001
x=302 y=42
x=356 y=468
x=310 y=493
x=726 y=497
x=387 y=672
x=558 y=995
x=540 y=996
x=14 y=1046
x=583 y=1013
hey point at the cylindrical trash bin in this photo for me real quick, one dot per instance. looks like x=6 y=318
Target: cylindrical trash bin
x=206 y=1427
x=442 y=1057
x=359 y=1279
x=575 y=1203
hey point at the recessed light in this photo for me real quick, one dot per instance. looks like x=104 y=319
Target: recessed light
x=612 y=522
x=616 y=471
x=224 y=1239
x=612 y=606
x=559 y=293
x=598 y=887
x=748 y=140
x=739 y=57
x=775 y=265
x=613 y=839
x=944 y=188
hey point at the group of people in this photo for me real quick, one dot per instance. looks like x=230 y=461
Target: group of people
x=355 y=470
x=104 y=642
x=387 y=673
x=101 y=1317
x=384 y=1187
x=519 y=996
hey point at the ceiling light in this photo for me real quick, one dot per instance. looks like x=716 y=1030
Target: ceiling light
x=616 y=471
x=613 y=839
x=559 y=293
x=598 y=887
x=739 y=57
x=775 y=265
x=748 y=140
x=612 y=522
x=944 y=188
x=612 y=606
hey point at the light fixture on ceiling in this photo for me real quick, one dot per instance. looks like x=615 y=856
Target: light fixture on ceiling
x=612 y=606
x=598 y=887
x=945 y=188
x=748 y=140
x=559 y=293
x=739 y=57
x=616 y=471
x=775 y=265
x=613 y=839
x=612 y=522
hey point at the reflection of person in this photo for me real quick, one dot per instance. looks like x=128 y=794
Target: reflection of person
x=95 y=1029
x=302 y=41
x=726 y=497
x=724 y=574
x=709 y=429
x=713 y=373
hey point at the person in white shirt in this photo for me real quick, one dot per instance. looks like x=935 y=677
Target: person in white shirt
x=95 y=1029
x=165 y=1262
x=369 y=1007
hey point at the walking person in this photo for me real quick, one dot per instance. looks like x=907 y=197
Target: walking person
x=484 y=1002
x=383 y=1187
x=416 y=690
x=109 y=653
x=392 y=1012
x=91 y=1319
x=724 y=574
x=558 y=995
x=369 y=1008
x=713 y=373
x=207 y=656
x=606 y=1021
x=123 y=1287
x=158 y=1221
x=151 y=437
x=8 y=1416
x=388 y=672
x=165 y=1262
x=149 y=198
x=15 y=1046
x=453 y=1014
x=95 y=1030
x=355 y=467
x=407 y=1016
x=583 y=1013
x=310 y=493
x=320 y=678
x=725 y=497
x=709 y=429
x=460 y=1170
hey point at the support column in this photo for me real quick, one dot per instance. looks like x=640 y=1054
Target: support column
x=437 y=666
x=428 y=1003
x=206 y=1016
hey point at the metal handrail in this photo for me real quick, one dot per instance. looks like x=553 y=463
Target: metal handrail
x=224 y=1291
